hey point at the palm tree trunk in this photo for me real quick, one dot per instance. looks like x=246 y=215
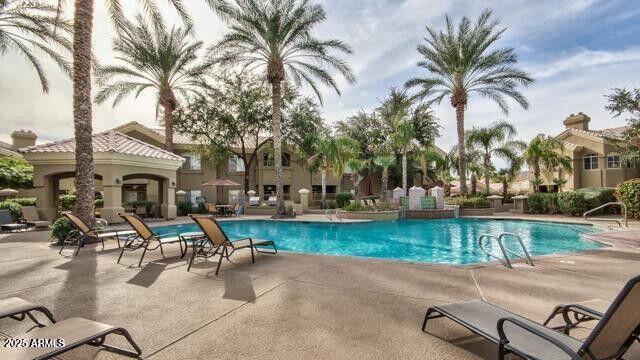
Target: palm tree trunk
x=536 y=174
x=356 y=187
x=462 y=157
x=404 y=173
x=505 y=190
x=82 y=110
x=474 y=186
x=385 y=183
x=487 y=168
x=276 y=100
x=323 y=183
x=168 y=126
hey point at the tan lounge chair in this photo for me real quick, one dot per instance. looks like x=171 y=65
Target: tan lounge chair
x=616 y=330
x=216 y=242
x=83 y=232
x=59 y=337
x=30 y=215
x=145 y=238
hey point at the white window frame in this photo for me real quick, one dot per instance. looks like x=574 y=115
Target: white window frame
x=611 y=160
x=591 y=162
x=629 y=164
x=238 y=162
x=193 y=197
x=193 y=162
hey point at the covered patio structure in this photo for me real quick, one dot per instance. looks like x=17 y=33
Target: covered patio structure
x=118 y=158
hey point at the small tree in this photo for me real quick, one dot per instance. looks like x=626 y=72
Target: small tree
x=356 y=165
x=333 y=152
x=15 y=173
x=385 y=161
x=624 y=101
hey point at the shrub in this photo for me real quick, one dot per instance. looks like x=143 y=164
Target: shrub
x=628 y=193
x=202 y=208
x=98 y=203
x=61 y=229
x=14 y=209
x=27 y=201
x=471 y=202
x=184 y=208
x=342 y=199
x=542 y=203
x=574 y=203
x=354 y=207
x=67 y=202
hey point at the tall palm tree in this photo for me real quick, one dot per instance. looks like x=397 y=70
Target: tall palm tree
x=462 y=62
x=396 y=112
x=356 y=165
x=31 y=28
x=495 y=141
x=473 y=168
x=155 y=58
x=542 y=148
x=333 y=152
x=276 y=36
x=385 y=161
x=82 y=109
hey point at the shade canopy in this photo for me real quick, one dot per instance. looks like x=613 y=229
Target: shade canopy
x=221 y=182
x=8 y=191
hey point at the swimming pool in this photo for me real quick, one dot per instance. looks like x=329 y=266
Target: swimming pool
x=449 y=241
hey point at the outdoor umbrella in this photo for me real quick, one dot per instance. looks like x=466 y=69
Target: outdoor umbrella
x=221 y=182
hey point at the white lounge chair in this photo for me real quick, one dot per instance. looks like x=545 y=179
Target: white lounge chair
x=272 y=201
x=254 y=201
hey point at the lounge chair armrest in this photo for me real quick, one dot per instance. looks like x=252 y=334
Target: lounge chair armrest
x=504 y=340
x=583 y=309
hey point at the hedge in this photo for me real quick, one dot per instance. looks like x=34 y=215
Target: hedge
x=628 y=193
x=342 y=199
x=67 y=202
x=60 y=229
x=471 y=202
x=27 y=201
x=15 y=210
x=574 y=203
x=542 y=203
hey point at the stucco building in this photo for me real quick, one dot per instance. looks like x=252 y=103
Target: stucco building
x=595 y=154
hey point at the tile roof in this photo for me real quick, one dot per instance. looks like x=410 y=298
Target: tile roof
x=108 y=141
x=185 y=139
x=6 y=148
x=615 y=133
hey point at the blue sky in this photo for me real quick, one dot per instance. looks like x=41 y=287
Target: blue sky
x=576 y=50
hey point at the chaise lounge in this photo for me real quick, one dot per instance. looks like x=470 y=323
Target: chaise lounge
x=31 y=217
x=216 y=242
x=144 y=238
x=614 y=333
x=83 y=232
x=59 y=337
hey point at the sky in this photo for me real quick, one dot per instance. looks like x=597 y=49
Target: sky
x=576 y=51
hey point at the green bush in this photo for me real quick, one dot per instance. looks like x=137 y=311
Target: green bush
x=27 y=201
x=67 y=202
x=14 y=209
x=354 y=207
x=542 y=203
x=184 y=208
x=342 y=199
x=202 y=208
x=470 y=202
x=628 y=193
x=574 y=203
x=98 y=203
x=60 y=229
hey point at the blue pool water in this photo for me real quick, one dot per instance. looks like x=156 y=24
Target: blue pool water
x=450 y=241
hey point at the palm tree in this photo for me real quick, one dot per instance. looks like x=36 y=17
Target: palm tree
x=28 y=28
x=473 y=168
x=427 y=156
x=333 y=152
x=396 y=112
x=495 y=141
x=154 y=58
x=542 y=148
x=356 y=165
x=461 y=62
x=507 y=176
x=82 y=109
x=276 y=36
x=552 y=162
x=385 y=161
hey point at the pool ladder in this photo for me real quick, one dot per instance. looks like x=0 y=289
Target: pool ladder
x=505 y=251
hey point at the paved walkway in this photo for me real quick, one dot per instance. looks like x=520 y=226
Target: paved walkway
x=292 y=306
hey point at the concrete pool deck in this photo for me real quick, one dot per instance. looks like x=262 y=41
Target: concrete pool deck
x=292 y=306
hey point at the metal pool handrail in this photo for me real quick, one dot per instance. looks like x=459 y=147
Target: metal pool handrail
x=505 y=261
x=623 y=207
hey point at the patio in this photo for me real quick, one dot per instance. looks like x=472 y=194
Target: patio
x=289 y=305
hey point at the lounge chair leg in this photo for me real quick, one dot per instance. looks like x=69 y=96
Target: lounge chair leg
x=193 y=256
x=80 y=244
x=219 y=262
x=122 y=252
x=144 y=251
x=253 y=259
x=102 y=239
x=429 y=316
x=161 y=251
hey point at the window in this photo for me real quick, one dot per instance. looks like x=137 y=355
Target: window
x=591 y=162
x=270 y=190
x=195 y=196
x=613 y=161
x=331 y=189
x=192 y=162
x=629 y=164
x=267 y=159
x=236 y=164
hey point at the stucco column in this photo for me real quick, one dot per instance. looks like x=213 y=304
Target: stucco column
x=304 y=199
x=44 y=190
x=168 y=207
x=112 y=203
x=496 y=202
